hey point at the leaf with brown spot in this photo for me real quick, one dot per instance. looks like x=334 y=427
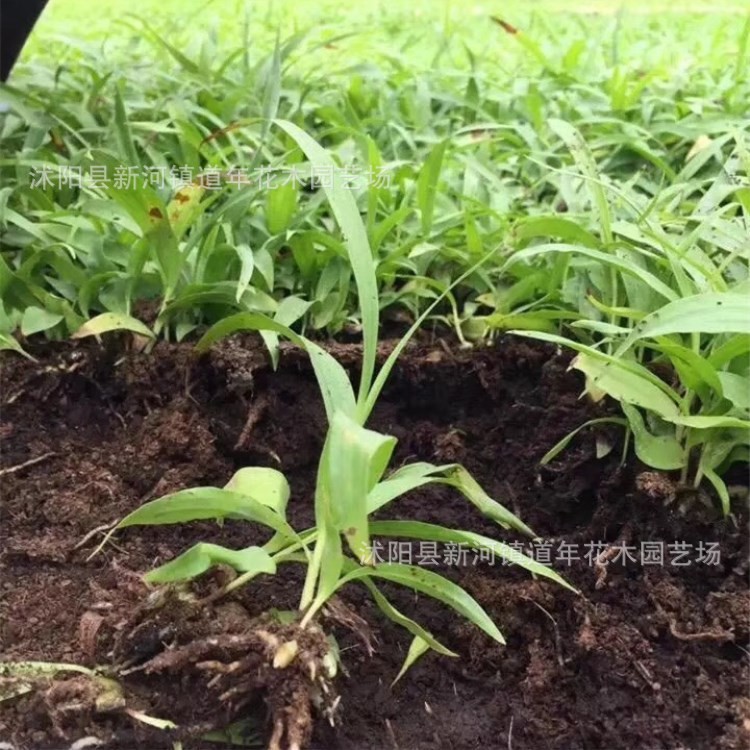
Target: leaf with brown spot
x=185 y=207
x=228 y=129
x=507 y=27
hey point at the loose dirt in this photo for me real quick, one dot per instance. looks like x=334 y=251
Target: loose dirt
x=647 y=656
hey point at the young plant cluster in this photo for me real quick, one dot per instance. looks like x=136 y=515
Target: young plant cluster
x=353 y=484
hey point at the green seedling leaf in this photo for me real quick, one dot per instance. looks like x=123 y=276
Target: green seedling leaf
x=356 y=460
x=417 y=648
x=389 y=223
x=586 y=163
x=736 y=389
x=460 y=478
x=247 y=266
x=658 y=451
x=164 y=243
x=553 y=226
x=345 y=209
x=563 y=444
x=434 y=585
x=735 y=346
x=625 y=385
x=268 y=486
x=36 y=319
x=112 y=322
x=606 y=259
x=427 y=183
x=431 y=532
x=281 y=205
x=8 y=343
x=720 y=487
x=718 y=447
x=187 y=64
x=271 y=94
x=705 y=422
x=606 y=329
x=205 y=503
x=414 y=476
x=122 y=128
x=625 y=365
x=543 y=320
x=405 y=479
x=290 y=310
x=695 y=371
x=401 y=619
x=199 y=558
x=710 y=312
x=328 y=559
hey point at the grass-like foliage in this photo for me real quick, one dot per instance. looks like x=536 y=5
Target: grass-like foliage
x=601 y=160
x=352 y=480
x=576 y=178
x=665 y=298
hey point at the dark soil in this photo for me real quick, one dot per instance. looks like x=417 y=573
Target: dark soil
x=646 y=657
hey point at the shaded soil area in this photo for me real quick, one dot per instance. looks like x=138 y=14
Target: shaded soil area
x=647 y=656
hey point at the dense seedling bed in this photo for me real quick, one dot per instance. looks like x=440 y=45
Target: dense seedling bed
x=376 y=377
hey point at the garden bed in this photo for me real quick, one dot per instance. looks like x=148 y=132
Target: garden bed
x=648 y=656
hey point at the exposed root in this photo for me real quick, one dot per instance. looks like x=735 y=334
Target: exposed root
x=254 y=415
x=712 y=634
x=605 y=556
x=337 y=611
x=283 y=665
x=26 y=464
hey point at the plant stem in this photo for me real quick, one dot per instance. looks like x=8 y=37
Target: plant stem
x=313 y=570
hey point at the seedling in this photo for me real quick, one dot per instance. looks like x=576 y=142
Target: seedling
x=352 y=485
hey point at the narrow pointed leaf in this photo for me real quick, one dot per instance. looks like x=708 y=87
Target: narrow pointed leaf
x=112 y=322
x=707 y=422
x=417 y=648
x=427 y=184
x=334 y=383
x=460 y=478
x=347 y=215
x=704 y=313
x=401 y=619
x=432 y=532
x=205 y=503
x=434 y=585
x=404 y=480
x=199 y=558
x=563 y=444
